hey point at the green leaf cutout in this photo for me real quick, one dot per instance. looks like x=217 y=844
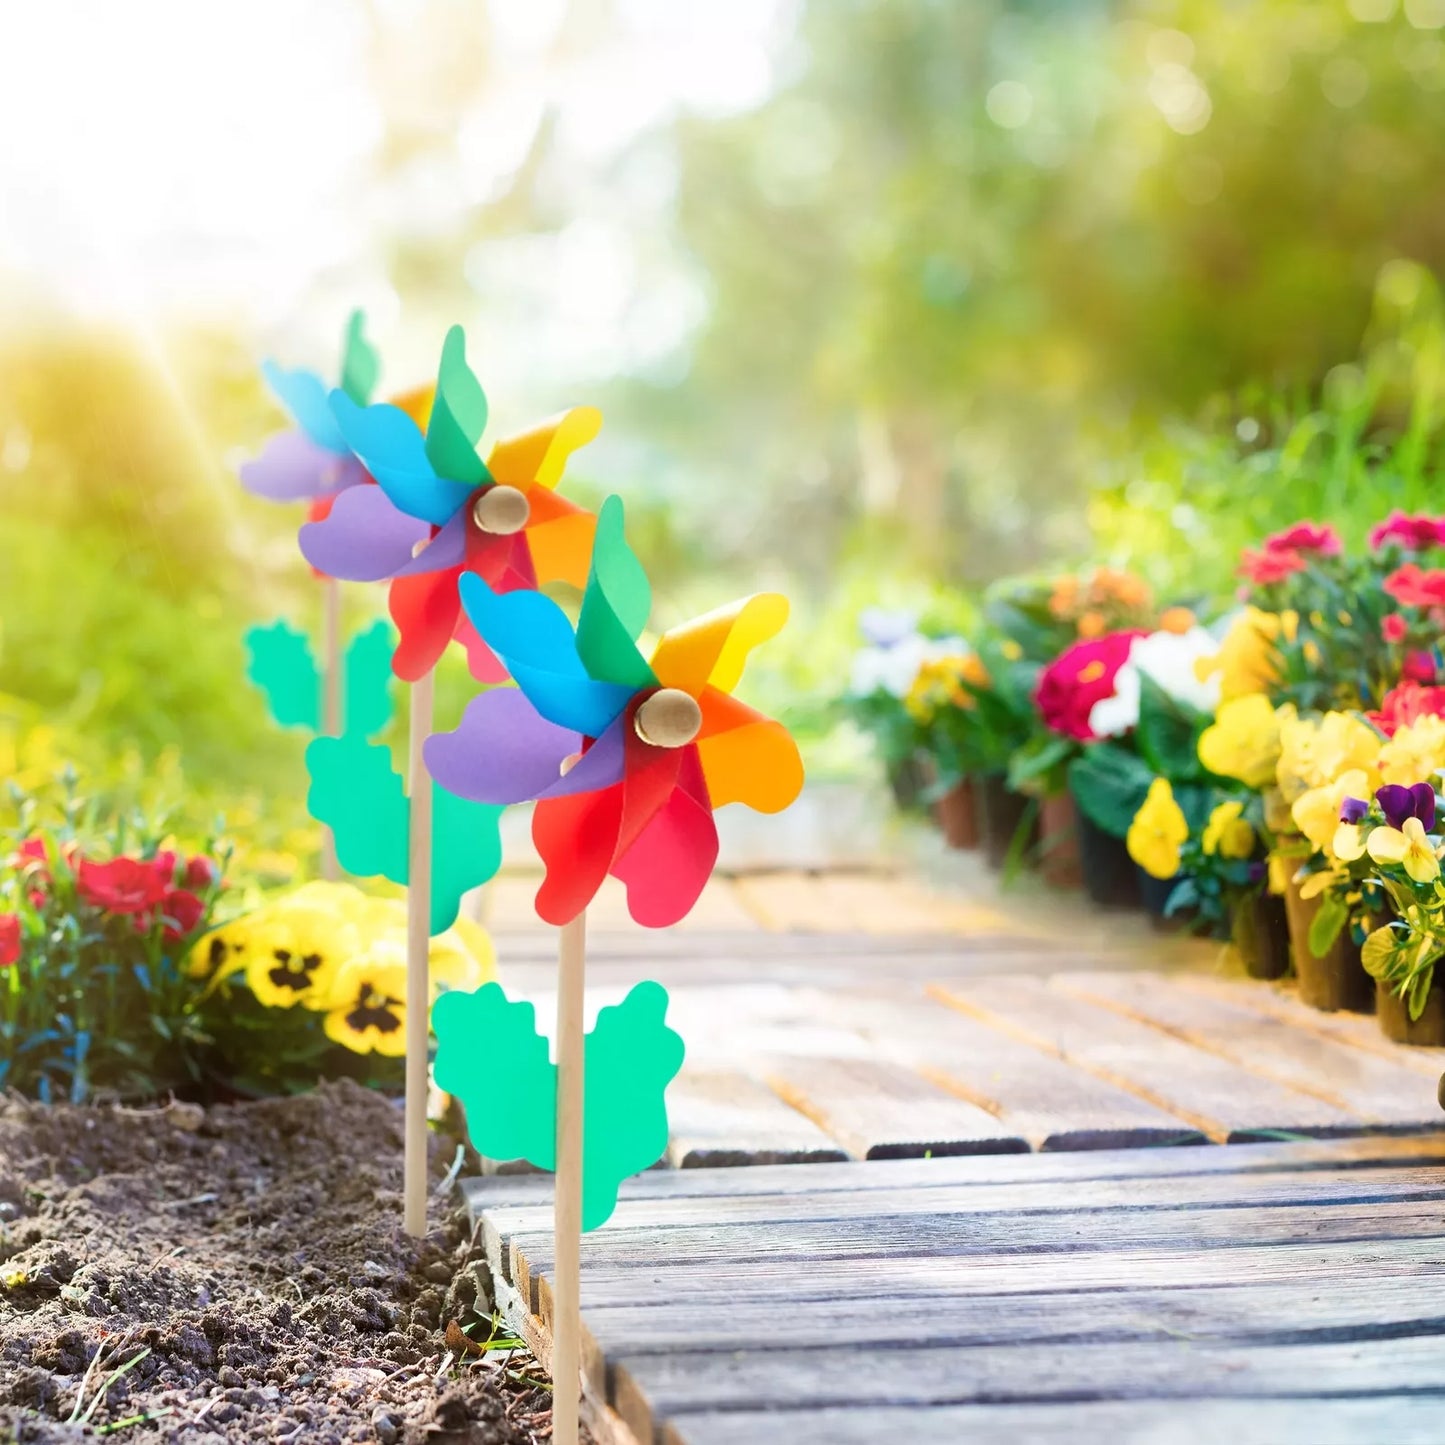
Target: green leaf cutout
x=615 y=606
x=369 y=704
x=491 y=1057
x=282 y=665
x=360 y=365
x=357 y=793
x=458 y=416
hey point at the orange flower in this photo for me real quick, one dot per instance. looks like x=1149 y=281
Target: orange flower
x=1177 y=620
x=1093 y=624
x=1065 y=597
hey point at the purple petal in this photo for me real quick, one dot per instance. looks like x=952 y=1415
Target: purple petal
x=365 y=539
x=503 y=750
x=447 y=549
x=1353 y=810
x=599 y=767
x=1396 y=804
x=292 y=468
x=1422 y=803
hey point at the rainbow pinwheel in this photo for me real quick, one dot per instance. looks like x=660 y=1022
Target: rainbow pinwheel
x=662 y=743
x=438 y=510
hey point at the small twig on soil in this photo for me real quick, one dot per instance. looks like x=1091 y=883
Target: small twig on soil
x=291 y=1435
x=173 y=1253
x=444 y=1188
x=118 y=1425
x=447 y=1363
x=194 y=1199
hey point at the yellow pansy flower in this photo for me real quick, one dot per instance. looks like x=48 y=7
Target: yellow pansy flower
x=1348 y=843
x=1228 y=833
x=1247 y=661
x=1410 y=847
x=1158 y=832
x=1243 y=741
x=1416 y=751
x=1315 y=751
x=1317 y=813
x=295 y=951
x=367 y=1012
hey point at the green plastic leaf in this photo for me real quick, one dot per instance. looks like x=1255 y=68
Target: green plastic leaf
x=282 y=665
x=360 y=365
x=458 y=416
x=615 y=606
x=357 y=793
x=369 y=704
x=491 y=1057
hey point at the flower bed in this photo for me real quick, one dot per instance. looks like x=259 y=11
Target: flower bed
x=1237 y=766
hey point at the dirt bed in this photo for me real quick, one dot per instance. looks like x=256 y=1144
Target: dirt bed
x=254 y=1253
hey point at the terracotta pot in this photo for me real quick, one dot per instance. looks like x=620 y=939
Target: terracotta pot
x=1336 y=981
x=957 y=816
x=1059 y=842
x=1001 y=817
x=1261 y=934
x=1426 y=1031
x=1109 y=874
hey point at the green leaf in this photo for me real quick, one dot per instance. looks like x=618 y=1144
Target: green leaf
x=615 y=606
x=1168 y=733
x=1109 y=784
x=360 y=365
x=491 y=1057
x=1325 y=926
x=458 y=416
x=283 y=666
x=466 y=851
x=369 y=678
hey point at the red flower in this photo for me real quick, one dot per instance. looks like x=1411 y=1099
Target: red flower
x=183 y=914
x=1419 y=667
x=9 y=939
x=1393 y=628
x=1406 y=704
x=1412 y=534
x=32 y=862
x=1079 y=677
x=1306 y=537
x=124 y=885
x=165 y=863
x=201 y=871
x=1270 y=564
x=1412 y=586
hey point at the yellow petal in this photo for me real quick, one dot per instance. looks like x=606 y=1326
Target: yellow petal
x=539 y=455
x=1347 y=844
x=713 y=648
x=1387 y=845
x=1421 y=864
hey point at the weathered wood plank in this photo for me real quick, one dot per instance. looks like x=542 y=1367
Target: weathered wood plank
x=1380 y=1090
x=720 y=1117
x=1200 y=1087
x=877 y=1110
x=1050 y=1103
x=1403 y=1419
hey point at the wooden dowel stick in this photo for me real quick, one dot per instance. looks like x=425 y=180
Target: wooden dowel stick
x=418 y=947
x=331 y=684
x=567 y=1220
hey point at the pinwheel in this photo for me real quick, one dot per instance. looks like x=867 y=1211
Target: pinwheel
x=439 y=509
x=660 y=744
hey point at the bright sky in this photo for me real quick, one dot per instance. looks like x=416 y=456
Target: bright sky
x=198 y=159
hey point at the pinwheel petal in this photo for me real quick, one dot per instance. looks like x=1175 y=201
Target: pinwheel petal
x=538 y=457
x=668 y=865
x=615 y=606
x=447 y=549
x=504 y=563
x=576 y=837
x=360 y=365
x=747 y=757
x=714 y=648
x=533 y=637
x=393 y=451
x=458 y=416
x=482 y=662
x=424 y=609
x=292 y=468
x=304 y=395
x=363 y=538
x=502 y=751
x=602 y=765
x=559 y=536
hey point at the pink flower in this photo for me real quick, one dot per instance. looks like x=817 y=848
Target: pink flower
x=1393 y=628
x=1306 y=537
x=1419 y=667
x=9 y=939
x=1412 y=534
x=1079 y=677
x=124 y=885
x=1406 y=704
x=1269 y=565
x=201 y=871
x=1412 y=586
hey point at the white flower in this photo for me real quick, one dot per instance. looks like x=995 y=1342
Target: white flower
x=1168 y=659
x=893 y=669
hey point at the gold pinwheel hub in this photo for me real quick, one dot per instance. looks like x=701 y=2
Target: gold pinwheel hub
x=501 y=510
x=670 y=718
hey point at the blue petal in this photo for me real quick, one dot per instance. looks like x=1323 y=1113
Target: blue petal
x=303 y=394
x=533 y=637
x=392 y=449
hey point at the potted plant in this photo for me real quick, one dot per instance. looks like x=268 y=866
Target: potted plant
x=943 y=703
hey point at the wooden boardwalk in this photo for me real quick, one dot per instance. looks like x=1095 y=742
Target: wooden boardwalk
x=996 y=1237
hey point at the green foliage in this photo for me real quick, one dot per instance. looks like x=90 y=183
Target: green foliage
x=1167 y=735
x=1109 y=783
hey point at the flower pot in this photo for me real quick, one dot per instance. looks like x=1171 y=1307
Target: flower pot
x=908 y=777
x=1336 y=981
x=956 y=815
x=1059 y=842
x=1395 y=1022
x=1154 y=894
x=1109 y=874
x=1001 y=814
x=1261 y=934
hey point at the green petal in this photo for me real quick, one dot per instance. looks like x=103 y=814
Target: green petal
x=360 y=365
x=357 y=793
x=369 y=705
x=282 y=665
x=458 y=416
x=615 y=606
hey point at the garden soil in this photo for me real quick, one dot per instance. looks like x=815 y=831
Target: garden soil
x=252 y=1256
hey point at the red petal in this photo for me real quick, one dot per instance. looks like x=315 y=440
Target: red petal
x=576 y=836
x=425 y=609
x=668 y=865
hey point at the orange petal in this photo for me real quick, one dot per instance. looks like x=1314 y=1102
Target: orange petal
x=712 y=649
x=746 y=756
x=539 y=455
x=562 y=550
